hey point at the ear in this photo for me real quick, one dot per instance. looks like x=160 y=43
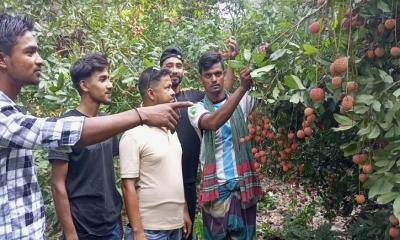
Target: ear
x=3 y=61
x=83 y=86
x=151 y=94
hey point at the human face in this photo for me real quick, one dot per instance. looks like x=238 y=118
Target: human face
x=213 y=79
x=98 y=87
x=162 y=91
x=23 y=65
x=175 y=65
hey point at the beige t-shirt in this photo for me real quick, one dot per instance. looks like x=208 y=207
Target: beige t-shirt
x=154 y=156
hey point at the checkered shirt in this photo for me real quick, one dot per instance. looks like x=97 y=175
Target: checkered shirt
x=21 y=202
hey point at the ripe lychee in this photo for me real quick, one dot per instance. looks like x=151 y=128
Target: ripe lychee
x=352 y=86
x=347 y=103
x=341 y=64
x=390 y=23
x=393 y=220
x=300 y=134
x=367 y=168
x=308 y=111
x=308 y=131
x=314 y=27
x=360 y=198
x=379 y=52
x=395 y=51
x=394 y=232
x=370 y=53
x=317 y=94
x=337 y=81
x=363 y=177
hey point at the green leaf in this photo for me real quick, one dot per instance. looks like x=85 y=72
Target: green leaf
x=382 y=163
x=277 y=54
x=376 y=105
x=343 y=120
x=293 y=82
x=360 y=109
x=342 y=128
x=236 y=64
x=374 y=132
x=247 y=55
x=384 y=7
x=387 y=197
x=381 y=186
x=365 y=99
x=385 y=77
x=261 y=71
x=396 y=207
x=148 y=63
x=349 y=148
x=296 y=98
x=309 y=49
x=364 y=131
x=397 y=93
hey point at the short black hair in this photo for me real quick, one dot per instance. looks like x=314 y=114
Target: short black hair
x=208 y=59
x=11 y=28
x=86 y=66
x=171 y=52
x=150 y=76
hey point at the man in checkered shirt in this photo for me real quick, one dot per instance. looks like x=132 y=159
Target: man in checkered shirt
x=21 y=203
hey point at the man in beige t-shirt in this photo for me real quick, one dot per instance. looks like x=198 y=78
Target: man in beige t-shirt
x=151 y=170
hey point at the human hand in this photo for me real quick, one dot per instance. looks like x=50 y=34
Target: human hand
x=246 y=81
x=187 y=224
x=139 y=235
x=162 y=115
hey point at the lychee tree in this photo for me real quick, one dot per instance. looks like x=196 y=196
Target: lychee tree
x=338 y=60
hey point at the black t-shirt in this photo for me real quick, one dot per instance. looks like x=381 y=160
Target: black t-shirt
x=188 y=137
x=94 y=200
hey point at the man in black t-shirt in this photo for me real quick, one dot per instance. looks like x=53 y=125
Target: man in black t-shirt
x=172 y=59
x=87 y=202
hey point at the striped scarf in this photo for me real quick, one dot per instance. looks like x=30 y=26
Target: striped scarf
x=250 y=189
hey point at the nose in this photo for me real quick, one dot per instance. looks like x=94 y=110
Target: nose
x=110 y=84
x=172 y=93
x=38 y=59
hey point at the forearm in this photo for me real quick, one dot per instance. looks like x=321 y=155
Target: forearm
x=97 y=129
x=63 y=211
x=213 y=121
x=132 y=206
x=229 y=78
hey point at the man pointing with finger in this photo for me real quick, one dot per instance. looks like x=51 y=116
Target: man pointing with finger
x=21 y=202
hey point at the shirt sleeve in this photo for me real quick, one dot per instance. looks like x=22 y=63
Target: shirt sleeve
x=18 y=130
x=195 y=112
x=247 y=103
x=129 y=156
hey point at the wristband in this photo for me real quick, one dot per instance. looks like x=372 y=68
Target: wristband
x=140 y=117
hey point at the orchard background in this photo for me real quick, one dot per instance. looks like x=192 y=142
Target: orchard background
x=326 y=135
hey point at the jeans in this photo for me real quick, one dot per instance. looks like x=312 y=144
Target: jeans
x=175 y=234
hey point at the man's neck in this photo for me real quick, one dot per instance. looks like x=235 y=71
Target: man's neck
x=216 y=97
x=88 y=107
x=9 y=87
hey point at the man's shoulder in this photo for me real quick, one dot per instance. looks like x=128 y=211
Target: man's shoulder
x=71 y=113
x=190 y=94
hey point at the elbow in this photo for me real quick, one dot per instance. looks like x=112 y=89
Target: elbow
x=58 y=189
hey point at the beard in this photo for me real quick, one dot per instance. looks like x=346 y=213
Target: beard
x=176 y=82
